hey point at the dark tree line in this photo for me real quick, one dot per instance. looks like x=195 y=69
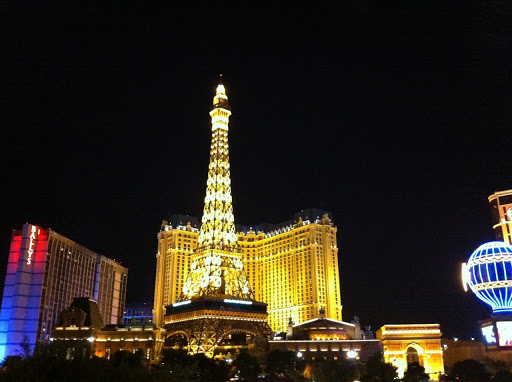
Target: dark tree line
x=54 y=363
x=471 y=370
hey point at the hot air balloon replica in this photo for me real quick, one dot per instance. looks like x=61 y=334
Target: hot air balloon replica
x=488 y=273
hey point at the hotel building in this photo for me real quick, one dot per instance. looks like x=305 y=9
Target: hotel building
x=45 y=271
x=501 y=209
x=292 y=266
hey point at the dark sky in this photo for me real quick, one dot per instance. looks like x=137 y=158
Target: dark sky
x=395 y=118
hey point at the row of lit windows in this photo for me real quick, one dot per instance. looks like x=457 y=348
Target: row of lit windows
x=302 y=233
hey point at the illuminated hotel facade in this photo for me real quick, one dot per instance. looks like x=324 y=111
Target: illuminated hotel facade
x=501 y=209
x=292 y=266
x=45 y=271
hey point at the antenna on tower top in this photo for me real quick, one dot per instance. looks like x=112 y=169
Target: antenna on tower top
x=220 y=78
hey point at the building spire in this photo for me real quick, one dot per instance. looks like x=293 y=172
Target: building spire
x=217 y=268
x=221 y=99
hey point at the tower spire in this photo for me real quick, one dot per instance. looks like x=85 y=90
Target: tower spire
x=220 y=101
x=217 y=267
x=218 y=227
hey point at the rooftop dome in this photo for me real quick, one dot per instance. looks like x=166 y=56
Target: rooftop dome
x=488 y=273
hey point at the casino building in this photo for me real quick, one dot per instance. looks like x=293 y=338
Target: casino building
x=292 y=266
x=45 y=272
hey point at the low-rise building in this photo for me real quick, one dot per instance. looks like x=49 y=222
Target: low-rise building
x=80 y=329
x=327 y=338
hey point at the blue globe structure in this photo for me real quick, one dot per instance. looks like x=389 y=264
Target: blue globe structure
x=488 y=273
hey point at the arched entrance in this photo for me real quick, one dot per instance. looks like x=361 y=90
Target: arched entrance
x=414 y=353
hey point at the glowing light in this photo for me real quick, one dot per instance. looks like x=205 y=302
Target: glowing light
x=489 y=275
x=90 y=339
x=488 y=333
x=504 y=333
x=181 y=303
x=243 y=302
x=299 y=355
x=465 y=276
x=352 y=354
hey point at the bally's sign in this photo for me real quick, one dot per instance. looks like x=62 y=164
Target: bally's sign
x=32 y=243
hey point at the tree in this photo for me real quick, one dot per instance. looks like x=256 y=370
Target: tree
x=258 y=347
x=129 y=366
x=13 y=369
x=415 y=373
x=284 y=366
x=247 y=367
x=470 y=370
x=503 y=375
x=177 y=365
x=333 y=370
x=210 y=370
x=376 y=370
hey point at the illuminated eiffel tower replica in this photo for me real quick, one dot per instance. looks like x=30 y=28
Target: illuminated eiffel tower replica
x=216 y=300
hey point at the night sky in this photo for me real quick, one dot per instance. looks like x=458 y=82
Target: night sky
x=395 y=118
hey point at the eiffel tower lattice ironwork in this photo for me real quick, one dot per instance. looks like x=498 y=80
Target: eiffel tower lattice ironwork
x=216 y=299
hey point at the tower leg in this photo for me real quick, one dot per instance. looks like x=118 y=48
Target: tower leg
x=204 y=337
